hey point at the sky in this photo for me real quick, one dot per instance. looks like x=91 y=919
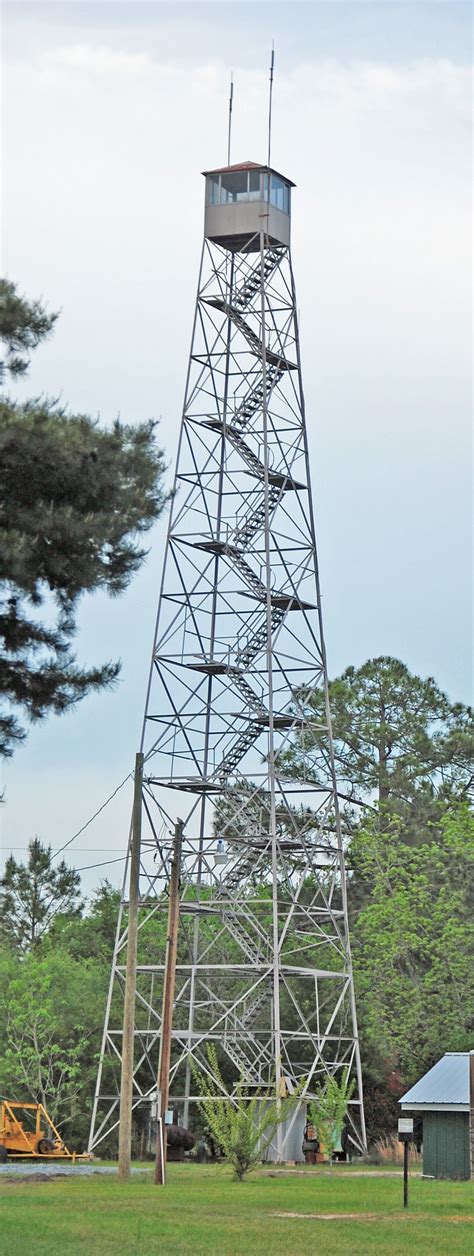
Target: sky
x=111 y=112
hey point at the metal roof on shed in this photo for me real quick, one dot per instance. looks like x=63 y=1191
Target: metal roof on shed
x=446 y=1083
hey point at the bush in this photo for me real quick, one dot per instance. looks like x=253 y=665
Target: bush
x=243 y=1126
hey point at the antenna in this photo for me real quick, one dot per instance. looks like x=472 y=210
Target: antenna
x=231 y=97
x=272 y=63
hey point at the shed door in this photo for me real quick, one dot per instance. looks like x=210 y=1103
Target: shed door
x=446 y=1144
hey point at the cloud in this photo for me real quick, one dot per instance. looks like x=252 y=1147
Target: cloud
x=97 y=60
x=328 y=78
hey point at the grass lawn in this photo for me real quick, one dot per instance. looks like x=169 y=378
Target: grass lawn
x=202 y=1212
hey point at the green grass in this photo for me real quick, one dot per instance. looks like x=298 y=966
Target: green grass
x=203 y=1212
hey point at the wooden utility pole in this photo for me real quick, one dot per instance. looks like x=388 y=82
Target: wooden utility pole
x=126 y=1087
x=167 y=1007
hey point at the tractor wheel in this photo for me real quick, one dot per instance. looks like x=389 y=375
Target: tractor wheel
x=3 y=1154
x=44 y=1146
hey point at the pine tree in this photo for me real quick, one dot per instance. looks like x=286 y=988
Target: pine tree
x=32 y=894
x=401 y=747
x=74 y=499
x=23 y=325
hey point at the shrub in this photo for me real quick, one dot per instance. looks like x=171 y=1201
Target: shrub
x=328 y=1109
x=242 y=1126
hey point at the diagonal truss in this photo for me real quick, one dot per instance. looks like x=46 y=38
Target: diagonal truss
x=264 y=969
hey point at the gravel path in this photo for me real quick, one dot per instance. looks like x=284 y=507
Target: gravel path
x=15 y=1168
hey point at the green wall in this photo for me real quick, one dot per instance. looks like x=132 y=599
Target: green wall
x=446 y=1144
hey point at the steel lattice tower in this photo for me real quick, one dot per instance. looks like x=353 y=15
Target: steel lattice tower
x=264 y=967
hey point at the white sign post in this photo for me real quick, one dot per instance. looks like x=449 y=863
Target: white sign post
x=405 y=1136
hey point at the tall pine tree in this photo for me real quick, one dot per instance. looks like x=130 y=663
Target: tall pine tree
x=401 y=747
x=32 y=894
x=74 y=499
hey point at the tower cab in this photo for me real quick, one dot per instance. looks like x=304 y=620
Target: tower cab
x=242 y=201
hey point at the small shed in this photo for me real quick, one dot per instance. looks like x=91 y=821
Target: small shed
x=444 y=1099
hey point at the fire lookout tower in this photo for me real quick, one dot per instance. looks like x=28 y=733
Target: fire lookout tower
x=264 y=965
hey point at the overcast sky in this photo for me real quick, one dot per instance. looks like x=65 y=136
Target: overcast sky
x=112 y=111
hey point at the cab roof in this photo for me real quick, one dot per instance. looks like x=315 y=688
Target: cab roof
x=249 y=165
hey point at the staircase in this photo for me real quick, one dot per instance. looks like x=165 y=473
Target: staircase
x=243 y=743
x=262 y=997
x=248 y=1059
x=248 y=652
x=242 y=296
x=249 y=1069
x=257 y=346
x=251 y=699
x=245 y=531
x=257 y=587
x=240 y=935
x=243 y=535
x=279 y=479
x=253 y=401
x=240 y=870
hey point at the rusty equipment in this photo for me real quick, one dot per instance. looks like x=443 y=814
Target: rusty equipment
x=41 y=1141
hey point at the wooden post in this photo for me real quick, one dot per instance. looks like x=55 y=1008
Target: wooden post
x=126 y=1087
x=168 y=1000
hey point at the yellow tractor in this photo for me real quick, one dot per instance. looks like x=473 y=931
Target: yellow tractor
x=32 y=1137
